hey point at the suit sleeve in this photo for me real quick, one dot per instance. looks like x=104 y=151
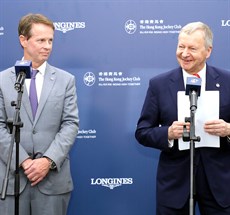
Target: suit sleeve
x=150 y=131
x=64 y=139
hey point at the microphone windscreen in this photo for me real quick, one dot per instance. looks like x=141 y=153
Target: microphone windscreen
x=193 y=83
x=23 y=66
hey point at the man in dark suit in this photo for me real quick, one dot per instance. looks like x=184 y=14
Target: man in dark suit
x=158 y=127
x=48 y=135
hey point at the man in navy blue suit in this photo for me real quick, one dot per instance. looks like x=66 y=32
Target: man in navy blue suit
x=158 y=127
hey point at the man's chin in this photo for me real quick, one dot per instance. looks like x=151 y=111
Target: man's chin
x=44 y=58
x=186 y=67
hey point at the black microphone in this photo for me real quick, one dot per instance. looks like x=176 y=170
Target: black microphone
x=23 y=71
x=193 y=86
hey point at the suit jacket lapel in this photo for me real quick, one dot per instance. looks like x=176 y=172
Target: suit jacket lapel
x=25 y=96
x=212 y=79
x=176 y=83
x=26 y=104
x=48 y=83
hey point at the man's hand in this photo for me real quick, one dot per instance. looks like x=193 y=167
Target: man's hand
x=36 y=169
x=217 y=127
x=175 y=131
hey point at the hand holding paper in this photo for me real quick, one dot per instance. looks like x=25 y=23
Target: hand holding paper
x=207 y=109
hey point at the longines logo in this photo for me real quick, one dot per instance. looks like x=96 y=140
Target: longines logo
x=68 y=26
x=225 y=23
x=111 y=183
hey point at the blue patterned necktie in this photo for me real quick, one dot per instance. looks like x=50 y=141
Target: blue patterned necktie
x=33 y=93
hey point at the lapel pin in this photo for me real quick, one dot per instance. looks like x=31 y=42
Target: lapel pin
x=217 y=85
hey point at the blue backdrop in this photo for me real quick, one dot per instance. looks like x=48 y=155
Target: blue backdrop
x=114 y=48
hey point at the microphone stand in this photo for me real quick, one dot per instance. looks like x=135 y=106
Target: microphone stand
x=190 y=136
x=14 y=126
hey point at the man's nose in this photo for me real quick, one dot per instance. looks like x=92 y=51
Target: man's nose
x=185 y=53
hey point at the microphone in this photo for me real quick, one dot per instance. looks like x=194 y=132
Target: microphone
x=193 y=86
x=23 y=71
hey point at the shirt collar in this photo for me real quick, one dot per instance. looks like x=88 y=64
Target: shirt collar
x=42 y=68
x=201 y=73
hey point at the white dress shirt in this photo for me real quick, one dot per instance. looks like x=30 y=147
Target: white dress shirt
x=39 y=80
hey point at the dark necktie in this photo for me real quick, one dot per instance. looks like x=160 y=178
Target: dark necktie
x=33 y=93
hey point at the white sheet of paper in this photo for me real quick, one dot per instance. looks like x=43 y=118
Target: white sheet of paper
x=207 y=109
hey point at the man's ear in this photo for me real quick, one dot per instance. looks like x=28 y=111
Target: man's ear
x=23 y=40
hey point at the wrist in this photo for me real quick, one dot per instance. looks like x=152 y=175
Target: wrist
x=52 y=165
x=26 y=163
x=228 y=129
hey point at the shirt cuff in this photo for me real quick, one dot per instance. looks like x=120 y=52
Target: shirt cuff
x=170 y=143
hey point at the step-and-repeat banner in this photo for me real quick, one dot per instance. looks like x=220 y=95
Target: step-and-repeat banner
x=114 y=48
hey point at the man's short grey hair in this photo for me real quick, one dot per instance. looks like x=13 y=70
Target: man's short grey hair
x=194 y=26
